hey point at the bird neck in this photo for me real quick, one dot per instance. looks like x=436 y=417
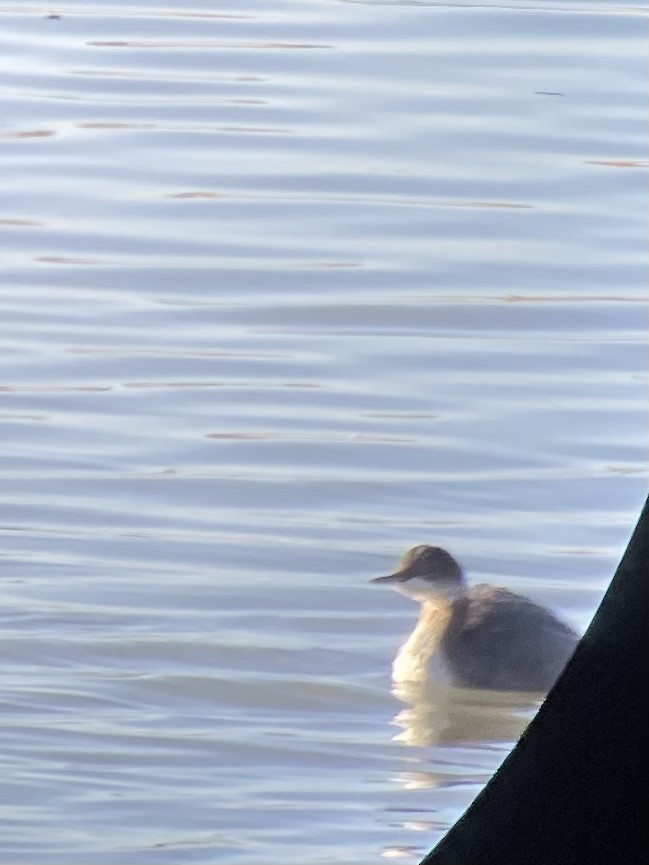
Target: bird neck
x=413 y=659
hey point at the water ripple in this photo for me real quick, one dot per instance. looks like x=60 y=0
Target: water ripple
x=286 y=288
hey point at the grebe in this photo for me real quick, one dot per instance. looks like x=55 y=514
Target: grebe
x=475 y=637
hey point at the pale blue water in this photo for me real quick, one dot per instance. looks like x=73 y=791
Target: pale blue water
x=286 y=288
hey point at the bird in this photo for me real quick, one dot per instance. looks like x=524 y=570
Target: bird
x=480 y=637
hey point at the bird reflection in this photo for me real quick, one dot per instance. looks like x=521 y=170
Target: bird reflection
x=443 y=715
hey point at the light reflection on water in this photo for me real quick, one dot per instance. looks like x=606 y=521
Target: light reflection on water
x=287 y=288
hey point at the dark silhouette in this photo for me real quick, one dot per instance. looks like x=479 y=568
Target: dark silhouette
x=575 y=789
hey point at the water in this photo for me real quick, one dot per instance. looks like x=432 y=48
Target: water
x=286 y=288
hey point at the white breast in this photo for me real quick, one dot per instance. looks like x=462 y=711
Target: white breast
x=412 y=667
x=421 y=658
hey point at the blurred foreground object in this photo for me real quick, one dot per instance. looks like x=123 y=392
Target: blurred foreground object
x=575 y=789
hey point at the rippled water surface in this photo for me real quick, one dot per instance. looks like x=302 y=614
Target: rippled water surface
x=288 y=286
